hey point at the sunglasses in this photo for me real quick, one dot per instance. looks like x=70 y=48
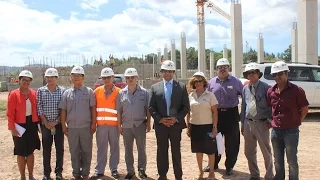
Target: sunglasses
x=278 y=74
x=223 y=67
x=26 y=80
x=198 y=81
x=130 y=77
x=167 y=71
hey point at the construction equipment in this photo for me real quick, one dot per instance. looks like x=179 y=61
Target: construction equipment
x=218 y=10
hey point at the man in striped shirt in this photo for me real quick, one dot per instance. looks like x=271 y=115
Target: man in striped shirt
x=48 y=99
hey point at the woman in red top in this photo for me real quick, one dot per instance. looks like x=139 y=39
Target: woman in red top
x=22 y=111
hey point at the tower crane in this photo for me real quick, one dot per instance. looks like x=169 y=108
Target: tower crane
x=200 y=10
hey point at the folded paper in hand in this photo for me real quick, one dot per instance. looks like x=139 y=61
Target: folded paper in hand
x=20 y=129
x=220 y=144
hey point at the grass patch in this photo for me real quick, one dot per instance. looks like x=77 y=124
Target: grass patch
x=3 y=106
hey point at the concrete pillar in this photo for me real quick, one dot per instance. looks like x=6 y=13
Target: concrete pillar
x=236 y=38
x=173 y=51
x=308 y=31
x=260 y=49
x=294 y=43
x=225 y=51
x=165 y=52
x=159 y=56
x=183 y=56
x=211 y=69
x=201 y=49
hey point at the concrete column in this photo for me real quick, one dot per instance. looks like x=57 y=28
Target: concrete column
x=225 y=51
x=159 y=56
x=165 y=52
x=183 y=56
x=294 y=44
x=173 y=51
x=308 y=31
x=236 y=38
x=211 y=64
x=201 y=49
x=260 y=49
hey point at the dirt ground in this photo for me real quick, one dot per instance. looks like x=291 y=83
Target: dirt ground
x=309 y=158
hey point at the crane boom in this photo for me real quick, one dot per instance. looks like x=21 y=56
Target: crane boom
x=218 y=10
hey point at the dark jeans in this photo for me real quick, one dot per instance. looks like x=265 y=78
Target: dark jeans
x=285 y=140
x=47 y=140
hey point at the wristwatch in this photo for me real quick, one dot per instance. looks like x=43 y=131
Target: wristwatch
x=213 y=127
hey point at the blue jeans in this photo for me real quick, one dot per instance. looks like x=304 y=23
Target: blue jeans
x=285 y=140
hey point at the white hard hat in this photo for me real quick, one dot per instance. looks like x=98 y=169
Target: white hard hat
x=26 y=73
x=51 y=72
x=77 y=70
x=199 y=74
x=168 y=65
x=130 y=72
x=278 y=67
x=107 y=72
x=251 y=66
x=222 y=62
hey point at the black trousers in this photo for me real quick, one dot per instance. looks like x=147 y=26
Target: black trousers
x=228 y=125
x=47 y=140
x=163 y=135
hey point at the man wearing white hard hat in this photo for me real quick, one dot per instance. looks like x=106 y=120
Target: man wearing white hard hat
x=255 y=122
x=107 y=125
x=169 y=104
x=48 y=99
x=78 y=120
x=289 y=108
x=134 y=122
x=227 y=90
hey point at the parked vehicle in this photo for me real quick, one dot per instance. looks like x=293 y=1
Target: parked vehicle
x=305 y=75
x=119 y=81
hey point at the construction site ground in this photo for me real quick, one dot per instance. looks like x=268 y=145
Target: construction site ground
x=309 y=158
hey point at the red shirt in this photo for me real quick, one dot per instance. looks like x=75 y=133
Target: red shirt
x=286 y=106
x=16 y=108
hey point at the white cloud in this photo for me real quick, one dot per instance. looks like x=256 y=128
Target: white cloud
x=92 y=4
x=140 y=29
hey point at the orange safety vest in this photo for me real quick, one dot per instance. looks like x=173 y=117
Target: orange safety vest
x=106 y=108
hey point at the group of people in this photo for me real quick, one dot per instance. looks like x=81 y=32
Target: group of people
x=209 y=108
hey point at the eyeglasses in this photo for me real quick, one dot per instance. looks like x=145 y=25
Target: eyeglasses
x=251 y=72
x=278 y=74
x=130 y=77
x=167 y=71
x=26 y=80
x=77 y=75
x=223 y=67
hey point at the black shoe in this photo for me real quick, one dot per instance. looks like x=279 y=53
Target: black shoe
x=142 y=174
x=46 y=178
x=115 y=174
x=162 y=178
x=129 y=176
x=254 y=178
x=96 y=176
x=59 y=176
x=229 y=171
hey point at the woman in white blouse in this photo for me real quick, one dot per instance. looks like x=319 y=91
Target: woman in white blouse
x=202 y=122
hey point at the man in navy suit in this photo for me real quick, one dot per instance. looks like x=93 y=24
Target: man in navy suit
x=168 y=106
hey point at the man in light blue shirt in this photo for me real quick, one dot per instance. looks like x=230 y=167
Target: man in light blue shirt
x=255 y=122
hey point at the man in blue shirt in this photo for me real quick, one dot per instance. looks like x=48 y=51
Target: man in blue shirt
x=255 y=124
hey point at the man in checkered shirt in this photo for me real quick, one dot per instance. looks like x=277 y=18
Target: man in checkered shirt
x=48 y=99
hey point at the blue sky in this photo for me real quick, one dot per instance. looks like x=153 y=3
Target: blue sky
x=66 y=30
